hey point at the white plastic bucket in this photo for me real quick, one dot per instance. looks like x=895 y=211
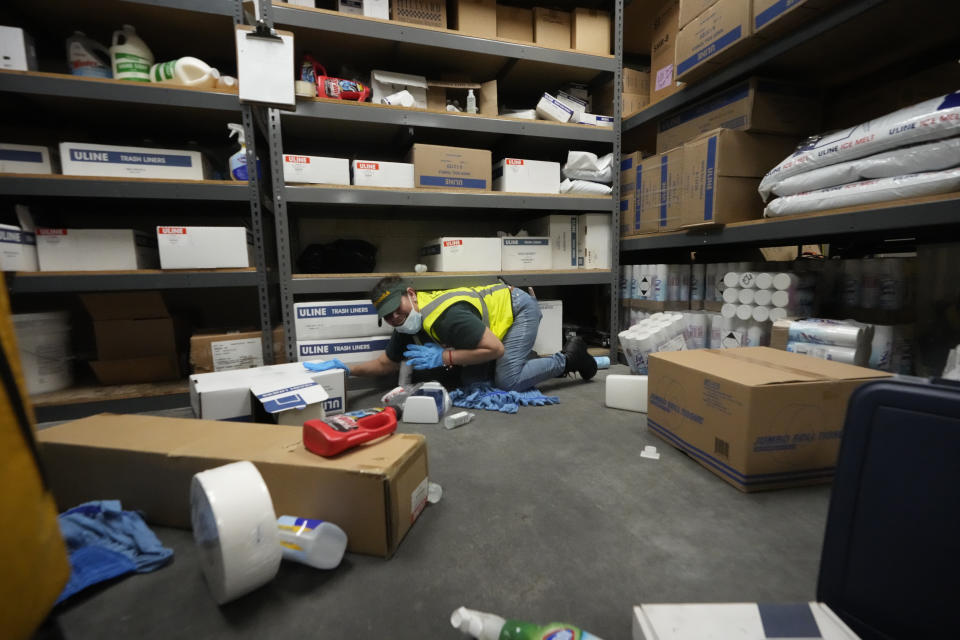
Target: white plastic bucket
x=45 y=354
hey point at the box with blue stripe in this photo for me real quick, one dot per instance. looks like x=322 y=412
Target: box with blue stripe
x=456 y=168
x=713 y=38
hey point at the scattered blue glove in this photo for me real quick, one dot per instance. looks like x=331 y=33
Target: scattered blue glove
x=326 y=366
x=424 y=356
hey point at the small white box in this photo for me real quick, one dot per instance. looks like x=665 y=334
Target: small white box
x=374 y=173
x=594 y=246
x=23 y=158
x=387 y=83
x=595 y=120
x=462 y=254
x=303 y=3
x=204 y=247
x=525 y=254
x=564 y=233
x=573 y=103
x=96 y=250
x=81 y=159
x=18 y=249
x=287 y=399
x=315 y=169
x=526 y=176
x=369 y=8
x=549 y=108
x=337 y=319
x=17 y=52
x=550 y=332
x=344 y=349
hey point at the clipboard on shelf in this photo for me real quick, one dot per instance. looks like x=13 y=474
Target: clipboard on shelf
x=265 y=68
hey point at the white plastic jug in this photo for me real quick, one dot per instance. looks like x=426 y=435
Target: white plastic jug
x=87 y=57
x=186 y=72
x=130 y=56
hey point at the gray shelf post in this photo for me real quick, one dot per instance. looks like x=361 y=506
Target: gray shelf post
x=615 y=177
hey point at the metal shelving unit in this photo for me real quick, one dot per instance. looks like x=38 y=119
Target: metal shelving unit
x=432 y=198
x=303 y=284
x=63 y=282
x=83 y=187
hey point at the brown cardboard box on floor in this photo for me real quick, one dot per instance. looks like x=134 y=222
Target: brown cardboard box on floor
x=757 y=417
x=373 y=492
x=715 y=37
x=590 y=31
x=514 y=23
x=475 y=17
x=663 y=53
x=551 y=28
x=439 y=167
x=223 y=351
x=135 y=337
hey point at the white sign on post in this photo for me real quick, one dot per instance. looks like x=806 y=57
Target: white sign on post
x=265 y=69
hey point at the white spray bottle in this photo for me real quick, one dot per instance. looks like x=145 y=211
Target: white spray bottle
x=238 y=159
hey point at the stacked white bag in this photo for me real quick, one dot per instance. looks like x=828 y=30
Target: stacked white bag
x=911 y=152
x=584 y=172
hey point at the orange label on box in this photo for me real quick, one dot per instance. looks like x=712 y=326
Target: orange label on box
x=297 y=159
x=452 y=243
x=172 y=230
x=369 y=165
x=514 y=161
x=51 y=232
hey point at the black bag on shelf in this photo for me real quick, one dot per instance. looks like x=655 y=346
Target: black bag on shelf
x=339 y=256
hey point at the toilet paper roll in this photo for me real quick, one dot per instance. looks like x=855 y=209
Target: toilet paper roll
x=731 y=279
x=731 y=295
x=746 y=296
x=761 y=314
x=744 y=312
x=763 y=297
x=763 y=280
x=235 y=529
x=778 y=313
x=748 y=280
x=728 y=310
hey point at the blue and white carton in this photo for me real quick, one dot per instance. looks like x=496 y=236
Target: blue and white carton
x=346 y=350
x=82 y=159
x=24 y=158
x=327 y=319
x=287 y=399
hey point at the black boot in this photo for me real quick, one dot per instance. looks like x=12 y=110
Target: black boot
x=578 y=359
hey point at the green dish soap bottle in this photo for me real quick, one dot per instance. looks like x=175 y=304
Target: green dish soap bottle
x=487 y=626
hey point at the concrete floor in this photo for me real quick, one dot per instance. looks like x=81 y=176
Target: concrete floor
x=549 y=514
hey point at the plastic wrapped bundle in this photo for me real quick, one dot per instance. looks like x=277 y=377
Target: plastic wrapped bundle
x=583 y=165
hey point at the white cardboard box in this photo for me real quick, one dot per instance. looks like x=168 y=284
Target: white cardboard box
x=315 y=169
x=595 y=120
x=738 y=621
x=563 y=231
x=337 y=319
x=594 y=247
x=204 y=247
x=525 y=254
x=517 y=175
x=17 y=52
x=96 y=250
x=225 y=395
x=462 y=254
x=386 y=83
x=346 y=350
x=573 y=103
x=374 y=173
x=24 y=158
x=18 y=249
x=287 y=399
x=550 y=332
x=369 y=8
x=549 y=108
x=81 y=159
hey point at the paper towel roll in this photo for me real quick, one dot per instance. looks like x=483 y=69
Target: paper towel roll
x=235 y=529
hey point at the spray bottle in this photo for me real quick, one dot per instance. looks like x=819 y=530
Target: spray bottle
x=87 y=57
x=315 y=543
x=238 y=159
x=487 y=626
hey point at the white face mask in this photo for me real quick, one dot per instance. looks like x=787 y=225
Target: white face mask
x=413 y=323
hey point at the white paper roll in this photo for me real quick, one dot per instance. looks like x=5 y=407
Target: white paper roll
x=778 y=313
x=784 y=281
x=698 y=275
x=780 y=299
x=745 y=296
x=731 y=295
x=748 y=280
x=824 y=352
x=744 y=312
x=763 y=297
x=763 y=280
x=761 y=314
x=728 y=310
x=710 y=283
x=731 y=279
x=235 y=529
x=826 y=332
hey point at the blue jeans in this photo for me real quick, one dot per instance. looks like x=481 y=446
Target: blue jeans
x=514 y=372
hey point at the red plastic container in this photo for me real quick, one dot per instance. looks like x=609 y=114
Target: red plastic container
x=336 y=434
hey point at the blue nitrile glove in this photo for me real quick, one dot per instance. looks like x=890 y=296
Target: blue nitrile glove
x=326 y=366
x=424 y=356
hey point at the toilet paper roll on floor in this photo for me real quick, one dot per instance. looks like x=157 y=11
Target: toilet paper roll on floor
x=235 y=528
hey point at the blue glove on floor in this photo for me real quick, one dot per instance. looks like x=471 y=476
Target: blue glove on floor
x=326 y=366
x=424 y=356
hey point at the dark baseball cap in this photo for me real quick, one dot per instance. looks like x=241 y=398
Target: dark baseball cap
x=387 y=294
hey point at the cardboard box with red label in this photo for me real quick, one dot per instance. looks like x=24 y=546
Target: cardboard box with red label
x=315 y=170
x=526 y=176
x=205 y=247
x=462 y=254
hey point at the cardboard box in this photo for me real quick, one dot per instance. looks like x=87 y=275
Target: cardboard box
x=387 y=83
x=373 y=492
x=648 y=183
x=225 y=395
x=370 y=8
x=631 y=101
x=722 y=171
x=574 y=103
x=525 y=254
x=550 y=330
x=590 y=31
x=347 y=350
x=757 y=417
x=670 y=194
x=475 y=17
x=713 y=38
x=315 y=170
x=326 y=319
x=17 y=52
x=690 y=9
x=82 y=159
x=549 y=108
x=757 y=105
x=228 y=351
x=462 y=254
x=24 y=158
x=663 y=53
x=291 y=400
x=375 y=173
x=205 y=247
x=594 y=231
x=738 y=620
x=514 y=23
x=438 y=167
x=629 y=196
x=551 y=28
x=96 y=250
x=773 y=18
x=439 y=91
x=432 y=13
x=18 y=249
x=517 y=175
x=563 y=231
x=135 y=337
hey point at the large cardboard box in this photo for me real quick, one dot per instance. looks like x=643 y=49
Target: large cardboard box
x=432 y=13
x=563 y=231
x=82 y=159
x=373 y=492
x=629 y=195
x=590 y=31
x=22 y=158
x=551 y=28
x=475 y=17
x=670 y=195
x=663 y=53
x=647 y=219
x=729 y=620
x=517 y=175
x=690 y=9
x=325 y=319
x=205 y=247
x=18 y=249
x=721 y=173
x=439 y=167
x=635 y=96
x=96 y=250
x=713 y=38
x=135 y=337
x=525 y=254
x=756 y=105
x=462 y=254
x=595 y=239
x=514 y=23
x=757 y=417
x=315 y=170
x=229 y=350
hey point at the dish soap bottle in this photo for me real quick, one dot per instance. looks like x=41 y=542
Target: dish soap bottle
x=471 y=102
x=487 y=626
x=238 y=159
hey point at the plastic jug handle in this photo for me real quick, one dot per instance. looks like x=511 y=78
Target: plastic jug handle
x=116 y=38
x=381 y=424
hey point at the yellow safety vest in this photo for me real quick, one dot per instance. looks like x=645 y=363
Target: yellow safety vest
x=492 y=301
